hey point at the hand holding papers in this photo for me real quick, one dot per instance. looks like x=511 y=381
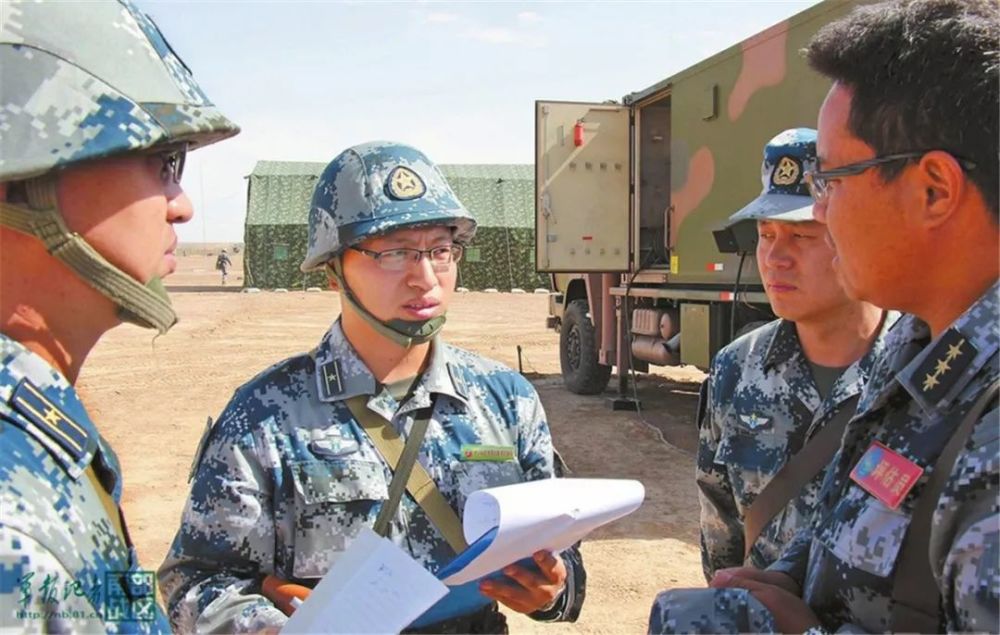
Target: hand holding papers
x=505 y=524
x=374 y=587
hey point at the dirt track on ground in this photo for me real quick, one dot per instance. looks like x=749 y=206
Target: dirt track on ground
x=151 y=397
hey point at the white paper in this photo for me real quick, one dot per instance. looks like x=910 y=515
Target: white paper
x=373 y=587
x=549 y=514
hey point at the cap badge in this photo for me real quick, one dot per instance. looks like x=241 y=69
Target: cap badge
x=786 y=172
x=404 y=184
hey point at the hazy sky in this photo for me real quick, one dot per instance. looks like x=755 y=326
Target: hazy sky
x=305 y=80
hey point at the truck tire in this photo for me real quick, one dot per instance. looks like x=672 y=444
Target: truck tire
x=581 y=372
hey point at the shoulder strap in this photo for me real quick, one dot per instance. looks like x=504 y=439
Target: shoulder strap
x=917 y=606
x=111 y=508
x=795 y=474
x=408 y=473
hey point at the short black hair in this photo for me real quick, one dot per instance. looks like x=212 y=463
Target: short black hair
x=924 y=75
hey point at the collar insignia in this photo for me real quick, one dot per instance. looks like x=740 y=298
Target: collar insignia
x=329 y=379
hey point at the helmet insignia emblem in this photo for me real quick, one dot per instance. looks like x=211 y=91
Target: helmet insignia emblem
x=404 y=184
x=786 y=172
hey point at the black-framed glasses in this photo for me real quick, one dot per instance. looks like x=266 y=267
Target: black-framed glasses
x=818 y=181
x=441 y=256
x=173 y=159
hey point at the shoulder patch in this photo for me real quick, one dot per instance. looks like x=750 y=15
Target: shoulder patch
x=944 y=365
x=31 y=402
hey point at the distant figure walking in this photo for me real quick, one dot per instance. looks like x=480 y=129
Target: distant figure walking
x=223 y=263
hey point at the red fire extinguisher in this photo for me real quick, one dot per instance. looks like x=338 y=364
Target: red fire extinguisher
x=578 y=133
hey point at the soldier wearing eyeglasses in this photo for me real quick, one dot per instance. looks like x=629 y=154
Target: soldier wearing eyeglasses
x=906 y=533
x=290 y=473
x=96 y=114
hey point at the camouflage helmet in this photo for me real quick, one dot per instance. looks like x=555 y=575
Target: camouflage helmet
x=373 y=189
x=86 y=80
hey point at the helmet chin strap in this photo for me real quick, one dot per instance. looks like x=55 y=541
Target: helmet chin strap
x=143 y=305
x=402 y=332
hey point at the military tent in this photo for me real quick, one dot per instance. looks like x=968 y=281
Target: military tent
x=502 y=256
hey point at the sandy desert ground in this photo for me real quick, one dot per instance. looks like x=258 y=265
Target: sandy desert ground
x=151 y=397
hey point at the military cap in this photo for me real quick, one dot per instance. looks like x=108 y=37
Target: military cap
x=785 y=197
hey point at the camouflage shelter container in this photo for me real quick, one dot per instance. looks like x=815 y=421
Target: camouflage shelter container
x=501 y=197
x=634 y=197
x=276 y=232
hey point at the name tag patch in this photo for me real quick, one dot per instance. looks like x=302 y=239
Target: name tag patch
x=886 y=475
x=493 y=453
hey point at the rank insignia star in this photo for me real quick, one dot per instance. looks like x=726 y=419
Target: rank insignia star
x=930 y=381
x=942 y=366
x=954 y=351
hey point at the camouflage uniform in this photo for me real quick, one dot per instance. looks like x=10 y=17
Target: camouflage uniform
x=81 y=82
x=61 y=553
x=762 y=401
x=844 y=562
x=287 y=476
x=762 y=406
x=845 y=566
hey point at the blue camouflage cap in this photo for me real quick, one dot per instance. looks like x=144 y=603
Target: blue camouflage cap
x=785 y=197
x=374 y=189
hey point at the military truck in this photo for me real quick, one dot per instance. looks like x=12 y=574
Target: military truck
x=631 y=197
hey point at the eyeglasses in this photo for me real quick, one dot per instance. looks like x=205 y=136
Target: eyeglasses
x=818 y=181
x=173 y=164
x=441 y=257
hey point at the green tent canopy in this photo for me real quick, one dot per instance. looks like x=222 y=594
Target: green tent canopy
x=501 y=197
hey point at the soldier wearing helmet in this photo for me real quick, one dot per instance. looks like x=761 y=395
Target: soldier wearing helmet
x=96 y=115
x=290 y=473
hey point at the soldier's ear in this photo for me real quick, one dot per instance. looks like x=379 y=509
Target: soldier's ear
x=943 y=185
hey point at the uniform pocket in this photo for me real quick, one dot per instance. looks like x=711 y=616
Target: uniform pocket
x=339 y=481
x=334 y=500
x=864 y=533
x=738 y=449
